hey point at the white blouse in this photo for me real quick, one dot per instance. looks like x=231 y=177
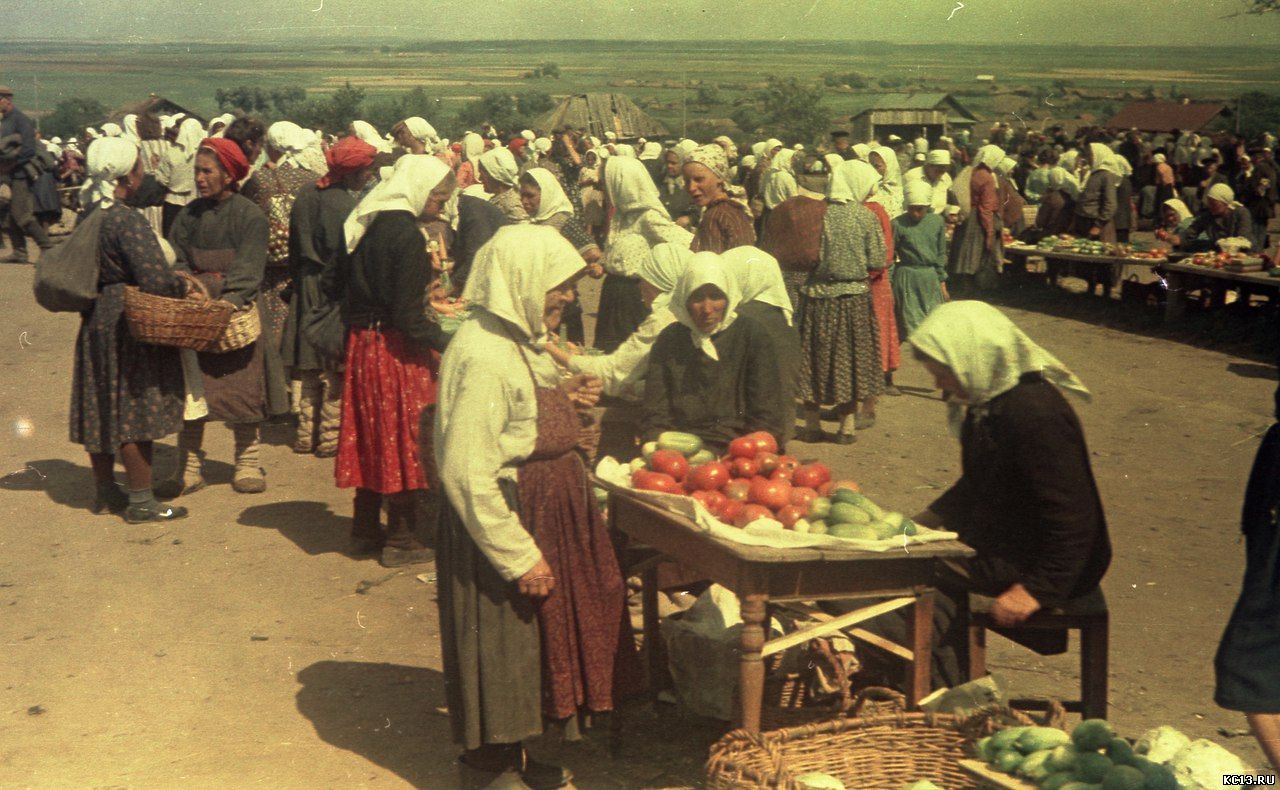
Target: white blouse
x=486 y=424
x=623 y=371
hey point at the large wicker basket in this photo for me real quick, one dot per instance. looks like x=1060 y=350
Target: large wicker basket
x=183 y=323
x=883 y=750
x=244 y=327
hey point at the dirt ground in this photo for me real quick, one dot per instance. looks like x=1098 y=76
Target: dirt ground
x=243 y=648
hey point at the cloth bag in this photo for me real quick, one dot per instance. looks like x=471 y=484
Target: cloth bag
x=67 y=276
x=324 y=330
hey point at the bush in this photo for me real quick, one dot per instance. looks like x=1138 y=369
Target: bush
x=707 y=96
x=794 y=110
x=1258 y=112
x=505 y=111
x=72 y=116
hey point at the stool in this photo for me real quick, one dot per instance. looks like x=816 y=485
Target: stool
x=1091 y=621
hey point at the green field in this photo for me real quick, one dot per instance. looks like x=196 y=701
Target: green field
x=667 y=73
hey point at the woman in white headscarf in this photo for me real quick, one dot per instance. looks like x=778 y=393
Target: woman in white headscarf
x=1221 y=217
x=977 y=251
x=130 y=128
x=112 y=130
x=532 y=601
x=177 y=171
x=472 y=150
x=392 y=355
x=1096 y=206
x=125 y=394
x=779 y=181
x=1124 y=199
x=714 y=373
x=889 y=191
x=499 y=175
x=637 y=209
x=366 y=131
x=840 y=364
x=544 y=200
x=1026 y=500
x=415 y=135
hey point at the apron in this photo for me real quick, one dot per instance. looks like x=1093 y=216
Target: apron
x=234 y=382
x=588 y=655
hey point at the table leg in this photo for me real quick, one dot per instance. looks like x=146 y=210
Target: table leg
x=751 y=679
x=652 y=628
x=1175 y=305
x=919 y=672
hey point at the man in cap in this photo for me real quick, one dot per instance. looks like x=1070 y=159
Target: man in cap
x=842 y=145
x=19 y=170
x=935 y=173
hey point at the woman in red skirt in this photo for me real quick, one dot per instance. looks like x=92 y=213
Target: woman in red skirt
x=393 y=354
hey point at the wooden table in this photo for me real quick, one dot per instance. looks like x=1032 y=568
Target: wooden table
x=762 y=575
x=1182 y=277
x=1100 y=261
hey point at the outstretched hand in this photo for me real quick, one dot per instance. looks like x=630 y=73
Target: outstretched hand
x=584 y=389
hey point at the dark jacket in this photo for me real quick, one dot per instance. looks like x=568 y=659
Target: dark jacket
x=1237 y=223
x=478 y=220
x=385 y=280
x=17 y=123
x=1027 y=501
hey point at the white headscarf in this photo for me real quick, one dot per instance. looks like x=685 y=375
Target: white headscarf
x=512 y=273
x=651 y=151
x=287 y=138
x=501 y=165
x=225 y=119
x=1223 y=194
x=758 y=151
x=624 y=151
x=853 y=182
x=365 y=131
x=987 y=353
x=421 y=130
x=989 y=155
x=662 y=268
x=472 y=148
x=862 y=150
x=1101 y=157
x=889 y=192
x=529 y=135
x=130 y=124
x=109 y=160
x=780 y=180
x=112 y=130
x=406 y=189
x=190 y=135
x=542 y=145
x=919 y=193
x=1179 y=208
x=705 y=268
x=759 y=277
x=554 y=200
x=833 y=161
x=637 y=206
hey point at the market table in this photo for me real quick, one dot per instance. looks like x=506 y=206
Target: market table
x=1025 y=252
x=759 y=575
x=1182 y=277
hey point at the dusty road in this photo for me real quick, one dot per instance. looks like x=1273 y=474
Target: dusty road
x=237 y=649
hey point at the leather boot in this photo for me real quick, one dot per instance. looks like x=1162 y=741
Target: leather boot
x=367 y=535
x=403 y=546
x=188 y=478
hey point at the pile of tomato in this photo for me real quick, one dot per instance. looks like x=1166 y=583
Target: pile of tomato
x=751 y=481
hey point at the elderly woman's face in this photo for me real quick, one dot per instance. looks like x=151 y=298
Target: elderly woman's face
x=530 y=198
x=211 y=179
x=555 y=302
x=701 y=184
x=1218 y=208
x=436 y=201
x=707 y=307
x=877 y=161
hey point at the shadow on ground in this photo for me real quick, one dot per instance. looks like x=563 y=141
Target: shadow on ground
x=312 y=526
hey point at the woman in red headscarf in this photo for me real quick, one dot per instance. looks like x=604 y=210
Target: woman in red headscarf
x=222 y=238
x=315 y=243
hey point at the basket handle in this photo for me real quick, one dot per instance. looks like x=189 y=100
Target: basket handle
x=878 y=694
x=196 y=289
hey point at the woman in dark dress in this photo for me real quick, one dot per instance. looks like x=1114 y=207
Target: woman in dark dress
x=222 y=238
x=392 y=355
x=532 y=602
x=315 y=244
x=1248 y=660
x=124 y=394
x=715 y=372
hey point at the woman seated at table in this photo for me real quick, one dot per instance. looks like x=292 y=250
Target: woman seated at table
x=1221 y=218
x=1026 y=500
x=1175 y=219
x=715 y=372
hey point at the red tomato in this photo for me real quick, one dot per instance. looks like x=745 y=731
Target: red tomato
x=713 y=501
x=737 y=490
x=645 y=480
x=825 y=489
x=750 y=513
x=743 y=447
x=801 y=496
x=745 y=468
x=784 y=475
x=811 y=475
x=709 y=477
x=790 y=514
x=788 y=462
x=849 y=484
x=772 y=494
x=765 y=442
x=669 y=462
x=768 y=462
x=730 y=510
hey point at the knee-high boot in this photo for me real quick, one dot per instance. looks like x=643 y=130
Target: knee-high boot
x=249 y=477
x=188 y=477
x=330 y=409
x=403 y=546
x=367 y=534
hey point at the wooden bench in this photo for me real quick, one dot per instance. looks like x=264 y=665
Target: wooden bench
x=1091 y=620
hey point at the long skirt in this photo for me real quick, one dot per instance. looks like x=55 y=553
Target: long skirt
x=621 y=311
x=969 y=254
x=886 y=323
x=489 y=640
x=916 y=292
x=389 y=381
x=840 y=362
x=1248 y=660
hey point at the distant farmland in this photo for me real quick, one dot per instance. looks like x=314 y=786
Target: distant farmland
x=663 y=77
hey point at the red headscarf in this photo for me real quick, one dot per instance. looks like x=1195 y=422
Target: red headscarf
x=229 y=156
x=517 y=145
x=346 y=157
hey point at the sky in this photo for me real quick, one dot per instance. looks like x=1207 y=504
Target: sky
x=1152 y=22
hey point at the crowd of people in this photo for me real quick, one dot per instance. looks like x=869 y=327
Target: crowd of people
x=419 y=321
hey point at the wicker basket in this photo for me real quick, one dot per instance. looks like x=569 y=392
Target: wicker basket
x=244 y=327
x=881 y=750
x=183 y=323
